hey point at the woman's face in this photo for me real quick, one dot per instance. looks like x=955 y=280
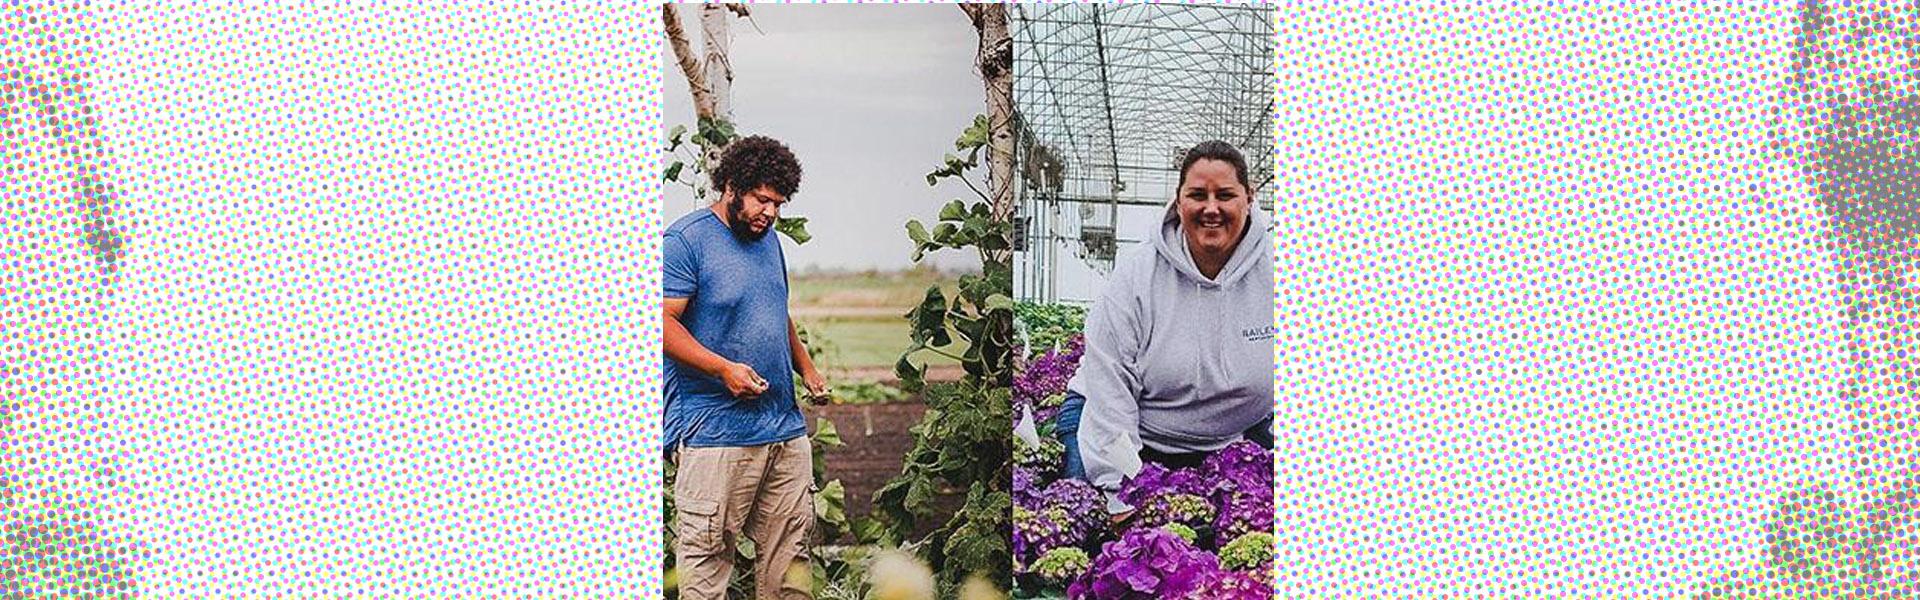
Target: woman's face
x=1213 y=208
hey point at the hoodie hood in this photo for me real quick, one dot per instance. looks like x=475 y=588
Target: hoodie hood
x=1171 y=245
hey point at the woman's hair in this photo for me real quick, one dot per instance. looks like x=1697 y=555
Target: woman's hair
x=1220 y=151
x=754 y=161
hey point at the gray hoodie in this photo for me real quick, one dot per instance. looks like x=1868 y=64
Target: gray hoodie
x=1174 y=361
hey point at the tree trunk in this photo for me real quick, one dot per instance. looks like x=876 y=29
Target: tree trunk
x=995 y=61
x=719 y=77
x=709 y=77
x=719 y=68
x=689 y=65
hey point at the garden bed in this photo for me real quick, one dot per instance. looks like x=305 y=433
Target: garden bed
x=877 y=439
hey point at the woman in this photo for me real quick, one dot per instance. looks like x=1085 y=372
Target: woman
x=1179 y=348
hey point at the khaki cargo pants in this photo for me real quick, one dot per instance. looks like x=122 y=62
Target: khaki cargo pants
x=762 y=490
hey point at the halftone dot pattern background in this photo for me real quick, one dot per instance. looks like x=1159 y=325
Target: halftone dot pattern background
x=353 y=301
x=364 y=300
x=648 y=404
x=1572 y=306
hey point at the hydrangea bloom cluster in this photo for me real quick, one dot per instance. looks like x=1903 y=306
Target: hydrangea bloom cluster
x=1060 y=566
x=1198 y=534
x=1250 y=552
x=1044 y=458
x=1146 y=563
x=1041 y=386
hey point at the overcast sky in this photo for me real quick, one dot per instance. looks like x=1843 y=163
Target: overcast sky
x=870 y=98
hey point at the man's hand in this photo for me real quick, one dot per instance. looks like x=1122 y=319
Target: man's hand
x=1120 y=518
x=803 y=362
x=817 y=391
x=742 y=381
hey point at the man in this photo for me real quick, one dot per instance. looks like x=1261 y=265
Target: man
x=732 y=424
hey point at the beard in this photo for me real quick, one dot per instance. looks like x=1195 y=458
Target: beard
x=738 y=222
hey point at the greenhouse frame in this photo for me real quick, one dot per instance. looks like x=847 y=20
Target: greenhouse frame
x=1108 y=98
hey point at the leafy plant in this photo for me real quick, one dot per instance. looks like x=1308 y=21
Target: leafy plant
x=1043 y=327
x=964 y=441
x=983 y=312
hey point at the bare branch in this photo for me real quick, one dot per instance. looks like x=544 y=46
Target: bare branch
x=976 y=190
x=741 y=11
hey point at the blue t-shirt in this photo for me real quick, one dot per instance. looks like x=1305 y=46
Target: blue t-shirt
x=737 y=308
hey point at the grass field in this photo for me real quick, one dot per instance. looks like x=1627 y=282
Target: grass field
x=861 y=317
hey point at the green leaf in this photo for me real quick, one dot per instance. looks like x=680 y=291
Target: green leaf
x=912 y=378
x=975 y=136
x=917 y=233
x=825 y=434
x=830 y=505
x=953 y=211
x=999 y=302
x=943 y=233
x=871 y=531
x=674 y=137
x=929 y=319
x=795 y=228
x=714 y=132
x=673 y=171
x=920 y=494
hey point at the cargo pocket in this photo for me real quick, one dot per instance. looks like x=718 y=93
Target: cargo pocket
x=698 y=528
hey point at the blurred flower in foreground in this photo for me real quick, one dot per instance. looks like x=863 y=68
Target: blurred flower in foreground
x=978 y=588
x=895 y=575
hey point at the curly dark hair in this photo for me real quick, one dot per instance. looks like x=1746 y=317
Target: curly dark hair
x=1216 y=150
x=754 y=161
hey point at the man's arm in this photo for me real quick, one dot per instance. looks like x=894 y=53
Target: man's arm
x=803 y=363
x=741 y=380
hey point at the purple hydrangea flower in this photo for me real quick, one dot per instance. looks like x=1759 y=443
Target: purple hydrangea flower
x=1154 y=480
x=1243 y=464
x=1048 y=374
x=1146 y=563
x=1241 y=514
x=1026 y=486
x=1064 y=514
x=1233 y=585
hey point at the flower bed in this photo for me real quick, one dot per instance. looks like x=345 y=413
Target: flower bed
x=1201 y=533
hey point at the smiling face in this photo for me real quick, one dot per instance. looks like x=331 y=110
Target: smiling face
x=1213 y=208
x=752 y=214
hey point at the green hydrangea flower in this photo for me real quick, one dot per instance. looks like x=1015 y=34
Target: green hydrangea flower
x=1046 y=457
x=1251 y=551
x=1061 y=565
